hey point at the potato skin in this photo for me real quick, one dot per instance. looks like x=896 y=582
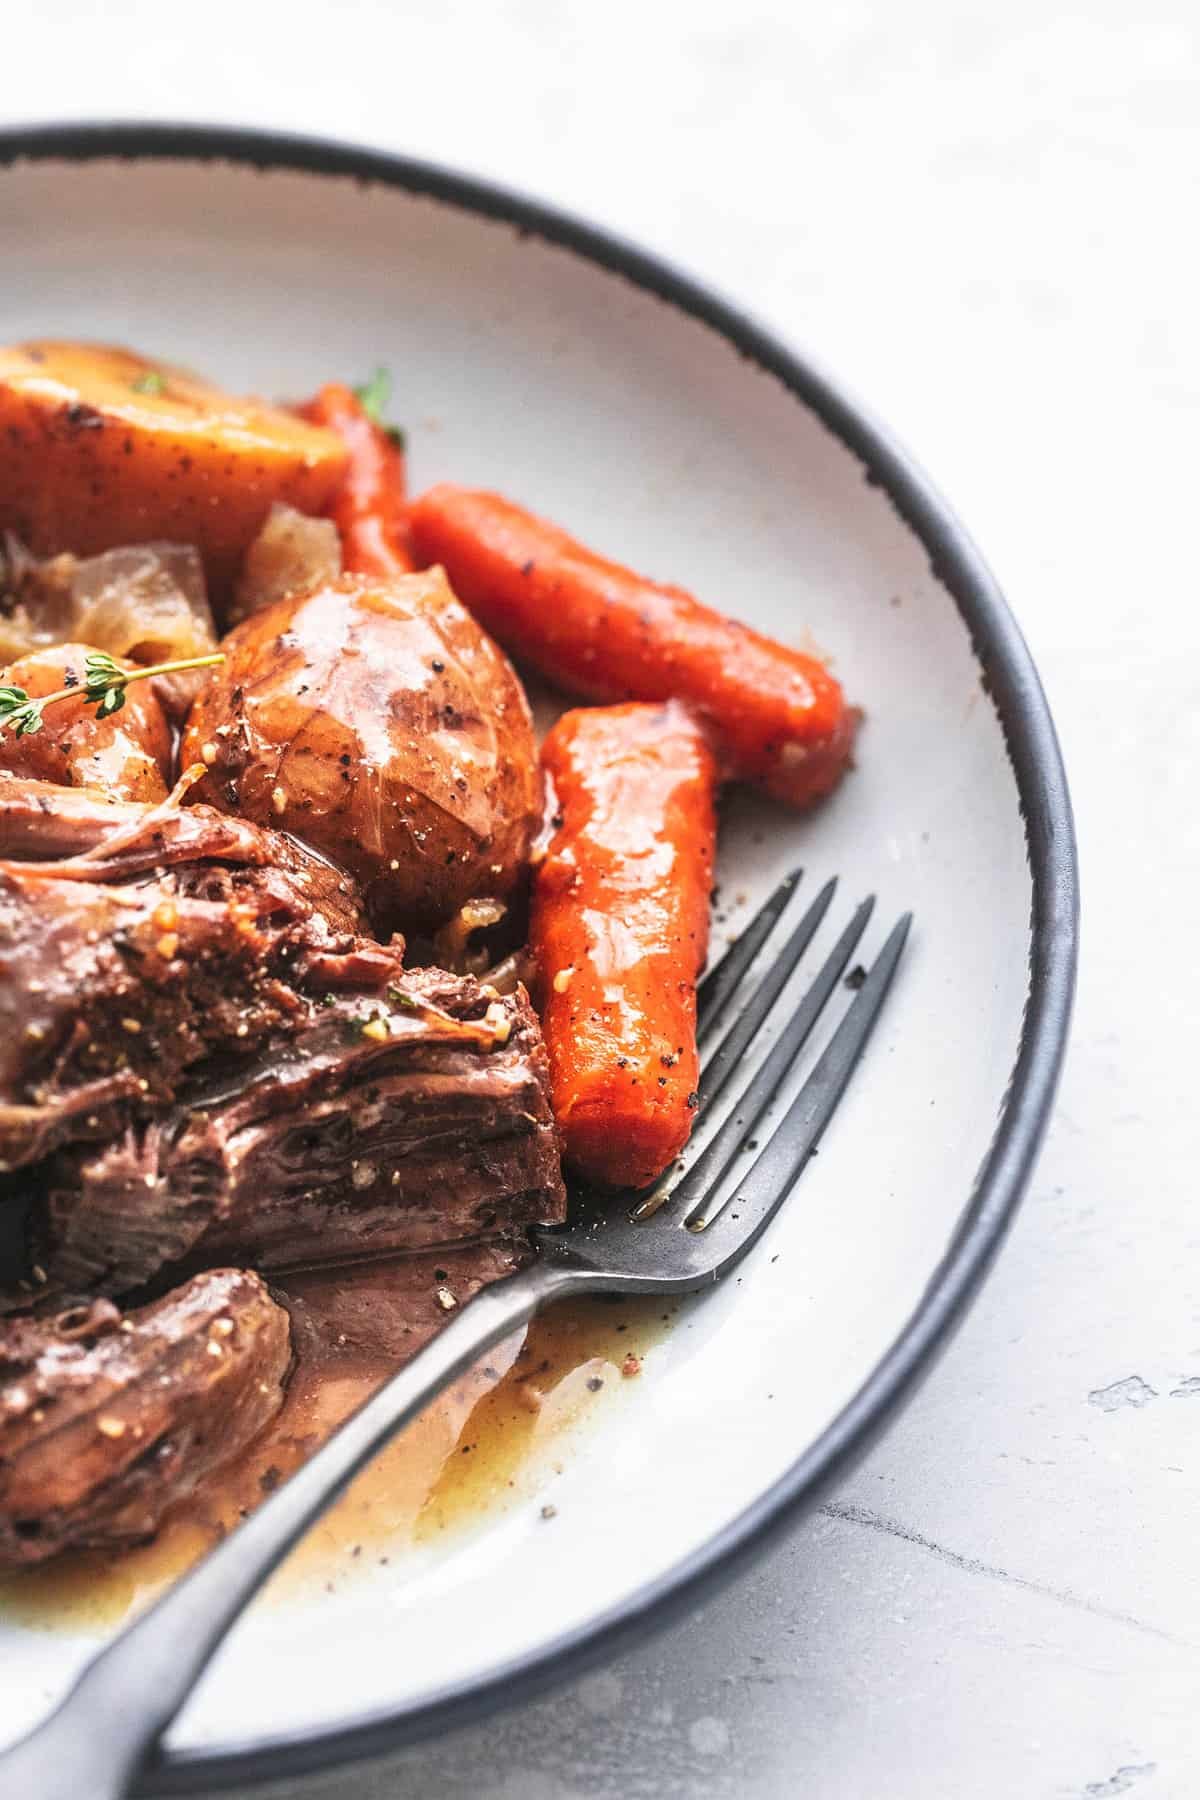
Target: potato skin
x=126 y=756
x=90 y=460
x=374 y=720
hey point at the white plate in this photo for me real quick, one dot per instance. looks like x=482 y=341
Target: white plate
x=589 y=381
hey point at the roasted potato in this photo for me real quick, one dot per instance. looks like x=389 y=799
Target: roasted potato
x=126 y=756
x=99 y=447
x=374 y=720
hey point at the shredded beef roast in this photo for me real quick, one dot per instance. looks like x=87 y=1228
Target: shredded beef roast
x=106 y=1421
x=206 y=1061
x=108 y=995
x=384 y=1127
x=121 y=839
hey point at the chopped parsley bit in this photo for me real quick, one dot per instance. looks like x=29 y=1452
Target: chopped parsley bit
x=398 y=997
x=151 y=382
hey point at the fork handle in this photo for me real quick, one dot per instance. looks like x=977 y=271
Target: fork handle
x=102 y=1732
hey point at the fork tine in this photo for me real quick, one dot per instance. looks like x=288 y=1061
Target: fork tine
x=722 y=1064
x=721 y=981
x=759 y=1196
x=749 y=1022
x=711 y=1166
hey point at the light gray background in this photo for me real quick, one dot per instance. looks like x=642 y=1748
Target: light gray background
x=985 y=219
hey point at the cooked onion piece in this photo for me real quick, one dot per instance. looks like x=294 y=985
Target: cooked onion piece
x=291 y=552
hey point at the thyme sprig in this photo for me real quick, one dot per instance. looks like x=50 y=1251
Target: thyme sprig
x=104 y=685
x=373 y=396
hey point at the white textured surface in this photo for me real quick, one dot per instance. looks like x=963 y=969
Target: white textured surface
x=985 y=219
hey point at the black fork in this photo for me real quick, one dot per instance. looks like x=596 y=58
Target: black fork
x=685 y=1233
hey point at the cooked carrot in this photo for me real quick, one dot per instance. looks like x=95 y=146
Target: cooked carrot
x=100 y=447
x=370 y=509
x=619 y=926
x=779 y=717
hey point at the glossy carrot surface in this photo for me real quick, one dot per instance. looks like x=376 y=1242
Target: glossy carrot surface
x=778 y=716
x=370 y=509
x=619 y=925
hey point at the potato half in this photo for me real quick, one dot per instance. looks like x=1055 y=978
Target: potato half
x=100 y=447
x=376 y=721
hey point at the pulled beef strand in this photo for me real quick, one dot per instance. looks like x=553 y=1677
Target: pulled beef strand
x=109 y=995
x=41 y=823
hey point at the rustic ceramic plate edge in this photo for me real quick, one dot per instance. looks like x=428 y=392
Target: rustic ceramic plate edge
x=1013 y=685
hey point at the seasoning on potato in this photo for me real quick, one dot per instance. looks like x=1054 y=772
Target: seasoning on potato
x=374 y=720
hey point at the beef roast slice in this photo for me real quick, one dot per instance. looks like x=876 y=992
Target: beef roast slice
x=106 y=1421
x=108 y=995
x=124 y=839
x=390 y=1127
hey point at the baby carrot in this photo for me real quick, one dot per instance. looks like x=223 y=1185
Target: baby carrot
x=370 y=508
x=619 y=926
x=777 y=715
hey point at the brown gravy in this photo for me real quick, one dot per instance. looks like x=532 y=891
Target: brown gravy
x=478 y=1449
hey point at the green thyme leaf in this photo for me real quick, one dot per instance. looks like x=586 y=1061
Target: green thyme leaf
x=27 y=719
x=111 y=701
x=10 y=699
x=374 y=395
x=100 y=672
x=149 y=383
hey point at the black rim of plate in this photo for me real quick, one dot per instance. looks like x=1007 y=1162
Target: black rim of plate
x=1016 y=693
